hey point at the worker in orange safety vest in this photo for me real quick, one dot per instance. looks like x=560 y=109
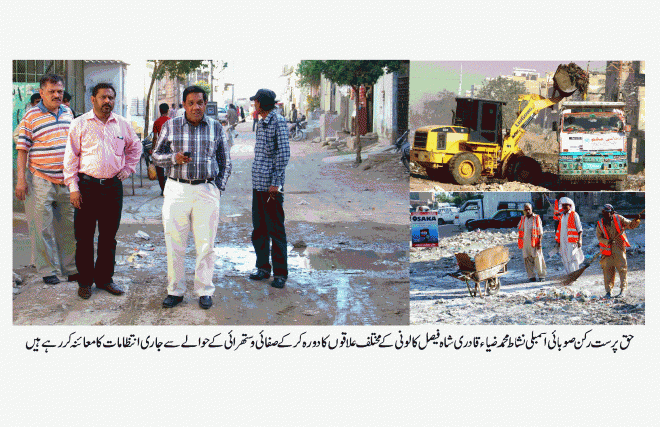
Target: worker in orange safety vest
x=530 y=234
x=569 y=236
x=613 y=242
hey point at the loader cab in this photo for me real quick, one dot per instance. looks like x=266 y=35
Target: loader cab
x=482 y=116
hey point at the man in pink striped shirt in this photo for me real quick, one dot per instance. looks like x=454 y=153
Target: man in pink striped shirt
x=102 y=150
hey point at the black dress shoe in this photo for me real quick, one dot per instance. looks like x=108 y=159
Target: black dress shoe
x=51 y=280
x=111 y=287
x=84 y=292
x=171 y=301
x=73 y=277
x=278 y=282
x=259 y=275
x=205 y=302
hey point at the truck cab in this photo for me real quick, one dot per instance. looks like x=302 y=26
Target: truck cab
x=466 y=149
x=592 y=142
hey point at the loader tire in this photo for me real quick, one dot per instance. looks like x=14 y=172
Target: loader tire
x=465 y=168
x=527 y=170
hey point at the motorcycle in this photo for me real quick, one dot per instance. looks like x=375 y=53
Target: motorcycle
x=147 y=145
x=296 y=131
x=403 y=146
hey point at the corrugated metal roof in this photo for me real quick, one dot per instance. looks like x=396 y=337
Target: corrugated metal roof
x=101 y=61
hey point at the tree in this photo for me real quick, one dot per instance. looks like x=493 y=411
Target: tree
x=174 y=69
x=348 y=73
x=503 y=89
x=204 y=85
x=309 y=73
x=435 y=109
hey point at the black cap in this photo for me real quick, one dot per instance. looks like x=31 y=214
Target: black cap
x=266 y=96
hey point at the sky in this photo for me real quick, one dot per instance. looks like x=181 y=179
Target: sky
x=247 y=73
x=434 y=76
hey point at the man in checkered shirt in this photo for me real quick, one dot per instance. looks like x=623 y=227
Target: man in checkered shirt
x=271 y=155
x=195 y=154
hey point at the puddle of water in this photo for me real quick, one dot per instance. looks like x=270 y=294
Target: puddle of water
x=343 y=293
x=351 y=259
x=242 y=259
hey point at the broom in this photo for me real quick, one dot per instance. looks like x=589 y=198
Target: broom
x=572 y=277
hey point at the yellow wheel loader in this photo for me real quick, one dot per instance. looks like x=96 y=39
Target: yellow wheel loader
x=475 y=145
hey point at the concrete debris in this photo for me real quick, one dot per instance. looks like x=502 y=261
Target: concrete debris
x=17 y=280
x=311 y=312
x=142 y=235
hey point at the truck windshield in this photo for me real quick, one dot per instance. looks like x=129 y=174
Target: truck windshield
x=592 y=123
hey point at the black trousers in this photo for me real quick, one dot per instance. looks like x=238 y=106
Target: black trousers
x=160 y=172
x=269 y=235
x=102 y=205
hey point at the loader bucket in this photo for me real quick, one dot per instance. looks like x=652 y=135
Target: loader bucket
x=570 y=78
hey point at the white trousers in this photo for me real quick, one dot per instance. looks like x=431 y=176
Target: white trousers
x=189 y=206
x=571 y=256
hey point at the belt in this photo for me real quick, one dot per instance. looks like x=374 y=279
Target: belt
x=101 y=181
x=192 y=181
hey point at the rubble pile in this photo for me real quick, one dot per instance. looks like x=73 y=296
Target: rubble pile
x=636 y=182
x=470 y=242
x=437 y=297
x=568 y=77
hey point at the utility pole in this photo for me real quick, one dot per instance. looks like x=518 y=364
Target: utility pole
x=211 y=81
x=584 y=95
x=460 y=80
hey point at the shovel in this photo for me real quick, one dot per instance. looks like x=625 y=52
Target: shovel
x=572 y=277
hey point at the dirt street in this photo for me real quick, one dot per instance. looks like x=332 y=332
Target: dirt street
x=441 y=299
x=347 y=232
x=543 y=149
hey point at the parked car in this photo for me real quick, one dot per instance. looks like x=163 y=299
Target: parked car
x=504 y=218
x=222 y=114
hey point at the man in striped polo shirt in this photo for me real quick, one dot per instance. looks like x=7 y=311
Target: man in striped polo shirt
x=41 y=142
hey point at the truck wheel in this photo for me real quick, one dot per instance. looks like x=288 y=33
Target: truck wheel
x=441 y=221
x=527 y=170
x=465 y=168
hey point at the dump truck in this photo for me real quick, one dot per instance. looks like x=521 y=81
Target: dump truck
x=476 y=145
x=592 y=142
